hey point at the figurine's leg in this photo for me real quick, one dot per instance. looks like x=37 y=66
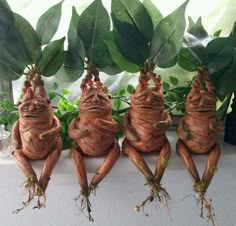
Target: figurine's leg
x=188 y=161
x=137 y=159
x=80 y=170
x=162 y=161
x=24 y=164
x=48 y=166
x=211 y=165
x=107 y=165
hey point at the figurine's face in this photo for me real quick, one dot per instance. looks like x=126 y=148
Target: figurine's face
x=34 y=109
x=148 y=98
x=95 y=101
x=201 y=101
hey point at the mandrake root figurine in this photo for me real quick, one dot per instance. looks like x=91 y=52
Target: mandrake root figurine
x=93 y=132
x=36 y=136
x=197 y=132
x=144 y=129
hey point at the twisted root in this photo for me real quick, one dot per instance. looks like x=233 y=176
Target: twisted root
x=33 y=189
x=85 y=203
x=158 y=193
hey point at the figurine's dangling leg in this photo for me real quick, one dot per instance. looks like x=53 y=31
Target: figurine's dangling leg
x=106 y=166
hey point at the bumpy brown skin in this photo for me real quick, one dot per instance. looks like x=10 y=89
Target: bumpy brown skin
x=93 y=132
x=144 y=129
x=197 y=131
x=36 y=135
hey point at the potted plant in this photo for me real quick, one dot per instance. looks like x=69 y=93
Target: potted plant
x=36 y=133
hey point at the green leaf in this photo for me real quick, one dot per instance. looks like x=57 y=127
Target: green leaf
x=118 y=58
x=6 y=73
x=94 y=22
x=51 y=96
x=54 y=86
x=134 y=13
x=52 y=58
x=130 y=42
x=168 y=36
x=48 y=23
x=75 y=43
x=121 y=92
x=218 y=54
x=30 y=39
x=12 y=118
x=224 y=80
x=187 y=60
x=72 y=68
x=117 y=104
x=217 y=33
x=7 y=104
x=233 y=32
x=112 y=69
x=65 y=91
x=197 y=29
x=165 y=86
x=173 y=80
x=222 y=111
x=130 y=89
x=100 y=56
x=155 y=14
x=170 y=64
x=5 y=3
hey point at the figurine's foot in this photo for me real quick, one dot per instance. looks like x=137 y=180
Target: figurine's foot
x=158 y=193
x=32 y=189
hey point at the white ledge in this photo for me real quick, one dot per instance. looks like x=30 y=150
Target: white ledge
x=119 y=192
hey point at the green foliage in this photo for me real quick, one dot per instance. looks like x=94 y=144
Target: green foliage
x=168 y=36
x=8 y=111
x=48 y=23
x=52 y=58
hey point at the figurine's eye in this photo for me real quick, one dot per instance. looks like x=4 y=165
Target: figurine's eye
x=195 y=102
x=39 y=108
x=102 y=98
x=88 y=98
x=141 y=98
x=25 y=108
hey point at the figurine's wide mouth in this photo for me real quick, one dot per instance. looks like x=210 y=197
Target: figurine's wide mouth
x=144 y=106
x=31 y=116
x=95 y=108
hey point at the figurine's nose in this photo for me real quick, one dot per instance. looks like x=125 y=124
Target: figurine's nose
x=95 y=98
x=149 y=98
x=31 y=107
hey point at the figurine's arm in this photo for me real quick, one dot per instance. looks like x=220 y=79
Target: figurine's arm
x=216 y=126
x=128 y=130
x=53 y=131
x=182 y=130
x=163 y=124
x=75 y=133
x=107 y=125
x=16 y=135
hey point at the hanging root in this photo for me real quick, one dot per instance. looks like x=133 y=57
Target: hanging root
x=85 y=203
x=32 y=189
x=158 y=193
x=200 y=189
x=207 y=205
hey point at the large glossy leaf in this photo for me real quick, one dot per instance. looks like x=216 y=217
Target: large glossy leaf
x=187 y=60
x=233 y=32
x=10 y=61
x=134 y=13
x=218 y=54
x=52 y=58
x=197 y=29
x=74 y=41
x=169 y=64
x=7 y=73
x=10 y=36
x=168 y=36
x=5 y=3
x=72 y=68
x=94 y=22
x=48 y=23
x=222 y=111
x=117 y=57
x=130 y=42
x=30 y=39
x=225 y=79
x=100 y=55
x=155 y=14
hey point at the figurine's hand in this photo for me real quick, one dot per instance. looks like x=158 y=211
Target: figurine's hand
x=160 y=125
x=183 y=133
x=106 y=124
x=216 y=126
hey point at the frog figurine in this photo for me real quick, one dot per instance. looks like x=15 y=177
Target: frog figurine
x=35 y=136
x=197 y=131
x=144 y=127
x=93 y=134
